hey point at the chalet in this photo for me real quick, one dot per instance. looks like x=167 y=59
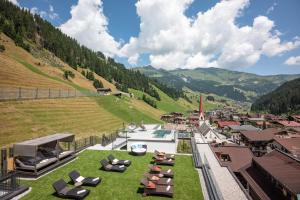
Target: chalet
x=287 y=124
x=179 y=120
x=287 y=145
x=193 y=120
x=258 y=141
x=167 y=118
x=274 y=176
x=262 y=124
x=104 y=91
x=232 y=156
x=223 y=124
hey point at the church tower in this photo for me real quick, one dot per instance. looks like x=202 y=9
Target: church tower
x=201 y=114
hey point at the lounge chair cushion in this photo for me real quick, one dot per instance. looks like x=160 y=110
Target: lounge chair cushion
x=80 y=179
x=115 y=161
x=151 y=185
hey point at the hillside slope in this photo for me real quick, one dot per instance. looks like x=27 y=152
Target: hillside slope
x=285 y=99
x=82 y=116
x=235 y=85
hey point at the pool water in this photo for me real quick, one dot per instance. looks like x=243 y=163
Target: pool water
x=161 y=133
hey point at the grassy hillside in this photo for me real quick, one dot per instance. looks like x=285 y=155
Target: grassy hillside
x=84 y=116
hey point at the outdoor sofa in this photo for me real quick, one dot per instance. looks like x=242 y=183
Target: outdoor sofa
x=86 y=181
x=157 y=170
x=162 y=161
x=151 y=188
x=113 y=168
x=158 y=180
x=62 y=190
x=164 y=155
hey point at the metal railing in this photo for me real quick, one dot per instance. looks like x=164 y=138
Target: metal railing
x=9 y=182
x=22 y=93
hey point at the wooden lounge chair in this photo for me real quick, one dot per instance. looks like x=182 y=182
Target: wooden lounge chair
x=163 y=161
x=88 y=181
x=115 y=161
x=114 y=168
x=158 y=180
x=163 y=154
x=154 y=189
x=64 y=191
x=154 y=169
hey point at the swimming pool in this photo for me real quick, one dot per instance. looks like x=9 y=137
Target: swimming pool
x=161 y=133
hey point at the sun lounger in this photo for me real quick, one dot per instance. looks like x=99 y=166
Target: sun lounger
x=154 y=189
x=154 y=169
x=88 y=181
x=64 y=191
x=115 y=161
x=163 y=161
x=115 y=168
x=158 y=180
x=163 y=154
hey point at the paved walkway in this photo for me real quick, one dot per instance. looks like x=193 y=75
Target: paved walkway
x=116 y=143
x=227 y=185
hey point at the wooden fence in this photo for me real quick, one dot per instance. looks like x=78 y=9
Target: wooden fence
x=22 y=93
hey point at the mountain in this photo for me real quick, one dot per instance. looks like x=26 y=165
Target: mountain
x=284 y=99
x=239 y=86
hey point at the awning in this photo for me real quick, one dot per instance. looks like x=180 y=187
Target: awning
x=29 y=147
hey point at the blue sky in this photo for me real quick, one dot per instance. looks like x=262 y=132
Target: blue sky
x=123 y=22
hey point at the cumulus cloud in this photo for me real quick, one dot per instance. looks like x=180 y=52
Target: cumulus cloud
x=209 y=39
x=294 y=60
x=88 y=25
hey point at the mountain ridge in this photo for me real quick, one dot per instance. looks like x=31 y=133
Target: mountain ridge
x=241 y=86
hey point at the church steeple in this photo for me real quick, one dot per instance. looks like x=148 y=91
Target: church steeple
x=201 y=114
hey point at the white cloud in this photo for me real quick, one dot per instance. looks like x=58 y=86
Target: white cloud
x=15 y=2
x=51 y=9
x=209 y=39
x=51 y=14
x=271 y=9
x=294 y=60
x=88 y=25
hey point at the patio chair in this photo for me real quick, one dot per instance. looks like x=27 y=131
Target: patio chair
x=114 y=168
x=87 y=181
x=158 y=180
x=154 y=189
x=154 y=169
x=115 y=161
x=162 y=161
x=64 y=191
x=163 y=154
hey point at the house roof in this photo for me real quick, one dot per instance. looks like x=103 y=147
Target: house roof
x=260 y=123
x=291 y=144
x=288 y=123
x=240 y=156
x=222 y=124
x=243 y=128
x=283 y=168
x=264 y=135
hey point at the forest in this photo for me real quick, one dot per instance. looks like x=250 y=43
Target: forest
x=283 y=100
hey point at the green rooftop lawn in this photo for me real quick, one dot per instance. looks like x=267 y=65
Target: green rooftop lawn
x=119 y=185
